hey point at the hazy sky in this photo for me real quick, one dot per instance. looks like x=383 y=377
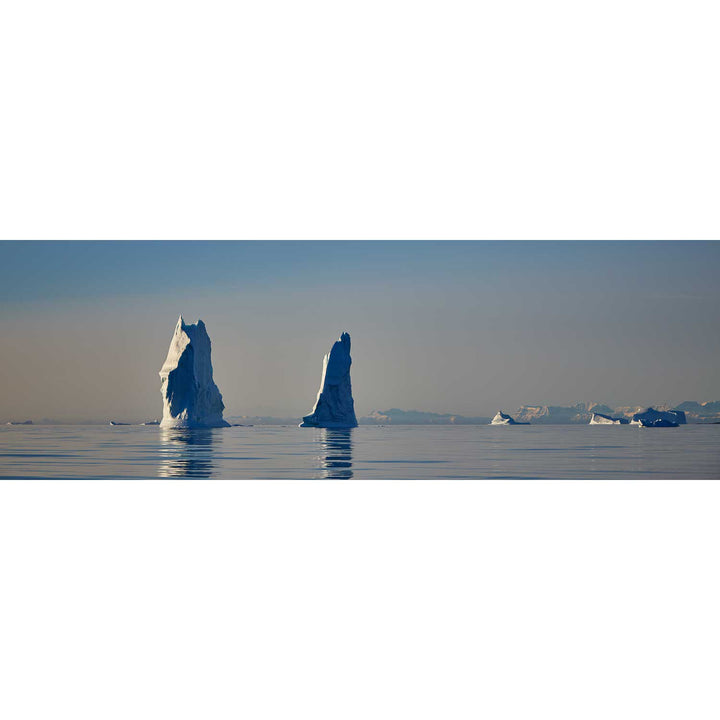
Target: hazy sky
x=465 y=327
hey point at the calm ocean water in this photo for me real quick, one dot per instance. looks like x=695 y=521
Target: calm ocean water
x=367 y=452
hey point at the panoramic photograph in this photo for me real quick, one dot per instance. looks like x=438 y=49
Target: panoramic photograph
x=360 y=360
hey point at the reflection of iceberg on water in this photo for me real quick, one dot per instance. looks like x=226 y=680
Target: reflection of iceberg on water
x=187 y=452
x=336 y=459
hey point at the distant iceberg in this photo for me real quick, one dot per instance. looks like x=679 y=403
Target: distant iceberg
x=190 y=396
x=651 y=418
x=334 y=407
x=600 y=419
x=657 y=422
x=503 y=419
x=580 y=413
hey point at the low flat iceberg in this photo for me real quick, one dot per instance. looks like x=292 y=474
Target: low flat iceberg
x=600 y=419
x=191 y=398
x=334 y=406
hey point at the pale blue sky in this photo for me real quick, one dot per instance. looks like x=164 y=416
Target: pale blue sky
x=466 y=327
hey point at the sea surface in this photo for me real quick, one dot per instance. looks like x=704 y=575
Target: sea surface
x=365 y=453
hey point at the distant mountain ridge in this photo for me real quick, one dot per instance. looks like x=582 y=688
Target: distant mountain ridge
x=581 y=413
x=709 y=410
x=395 y=416
x=262 y=420
x=578 y=414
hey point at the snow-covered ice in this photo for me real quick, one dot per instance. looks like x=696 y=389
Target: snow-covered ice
x=190 y=396
x=502 y=418
x=334 y=407
x=600 y=419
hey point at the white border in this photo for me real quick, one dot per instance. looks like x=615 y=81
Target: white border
x=356 y=600
x=393 y=119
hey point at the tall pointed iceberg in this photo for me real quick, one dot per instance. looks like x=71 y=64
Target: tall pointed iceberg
x=190 y=396
x=334 y=407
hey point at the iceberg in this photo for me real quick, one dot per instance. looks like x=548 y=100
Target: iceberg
x=580 y=413
x=600 y=419
x=657 y=422
x=334 y=406
x=649 y=417
x=190 y=396
x=503 y=419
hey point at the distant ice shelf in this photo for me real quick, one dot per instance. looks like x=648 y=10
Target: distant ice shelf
x=600 y=419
